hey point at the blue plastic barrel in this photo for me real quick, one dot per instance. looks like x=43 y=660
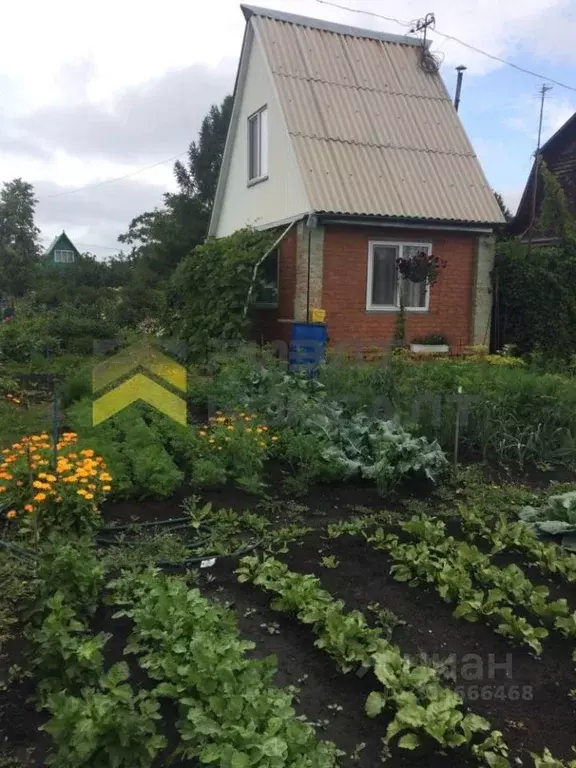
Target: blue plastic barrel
x=307 y=347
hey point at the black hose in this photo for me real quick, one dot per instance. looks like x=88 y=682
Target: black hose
x=105 y=538
x=177 y=524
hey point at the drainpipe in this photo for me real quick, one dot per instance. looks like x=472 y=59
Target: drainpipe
x=460 y=71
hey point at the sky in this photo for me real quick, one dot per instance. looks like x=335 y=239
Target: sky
x=119 y=89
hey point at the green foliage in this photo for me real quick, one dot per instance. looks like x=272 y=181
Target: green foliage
x=421 y=705
x=537 y=306
x=556 y=516
x=510 y=415
x=19 y=248
x=546 y=760
x=66 y=655
x=463 y=574
x=105 y=725
x=555 y=214
x=231 y=712
x=506 y=535
x=133 y=449
x=349 y=445
x=210 y=287
x=71 y=567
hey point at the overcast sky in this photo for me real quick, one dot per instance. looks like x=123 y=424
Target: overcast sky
x=93 y=92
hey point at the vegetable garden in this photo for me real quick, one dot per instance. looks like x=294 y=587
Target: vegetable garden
x=372 y=567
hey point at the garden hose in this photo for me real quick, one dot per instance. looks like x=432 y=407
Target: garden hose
x=176 y=524
x=19 y=552
x=107 y=537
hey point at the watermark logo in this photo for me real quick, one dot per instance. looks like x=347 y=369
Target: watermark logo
x=138 y=386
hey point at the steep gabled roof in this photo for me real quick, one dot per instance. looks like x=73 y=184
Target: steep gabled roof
x=374 y=134
x=559 y=154
x=64 y=240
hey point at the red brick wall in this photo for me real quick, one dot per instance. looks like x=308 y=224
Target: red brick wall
x=344 y=286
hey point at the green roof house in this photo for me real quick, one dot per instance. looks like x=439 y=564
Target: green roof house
x=61 y=251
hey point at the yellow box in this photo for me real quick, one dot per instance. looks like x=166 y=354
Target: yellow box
x=318 y=315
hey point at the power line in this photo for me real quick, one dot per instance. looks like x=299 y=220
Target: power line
x=454 y=39
x=116 y=248
x=117 y=178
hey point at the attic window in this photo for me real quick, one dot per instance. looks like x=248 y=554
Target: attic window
x=64 y=257
x=258 y=146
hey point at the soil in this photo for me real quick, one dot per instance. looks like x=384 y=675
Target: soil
x=321 y=685
x=542 y=716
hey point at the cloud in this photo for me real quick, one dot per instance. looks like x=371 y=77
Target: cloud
x=94 y=217
x=523 y=114
x=141 y=124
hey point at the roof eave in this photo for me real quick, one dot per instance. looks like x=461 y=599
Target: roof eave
x=374 y=220
x=328 y=26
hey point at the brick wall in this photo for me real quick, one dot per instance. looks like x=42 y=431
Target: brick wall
x=344 y=286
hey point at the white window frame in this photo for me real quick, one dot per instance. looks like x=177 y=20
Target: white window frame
x=261 y=119
x=64 y=256
x=370 y=307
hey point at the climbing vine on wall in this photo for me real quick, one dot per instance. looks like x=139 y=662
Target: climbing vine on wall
x=210 y=287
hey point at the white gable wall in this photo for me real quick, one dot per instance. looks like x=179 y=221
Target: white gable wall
x=280 y=197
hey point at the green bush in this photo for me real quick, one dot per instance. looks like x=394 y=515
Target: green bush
x=512 y=415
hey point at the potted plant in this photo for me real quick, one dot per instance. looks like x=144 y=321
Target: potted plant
x=433 y=343
x=421 y=267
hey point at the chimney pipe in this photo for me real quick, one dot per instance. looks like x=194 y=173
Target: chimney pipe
x=460 y=71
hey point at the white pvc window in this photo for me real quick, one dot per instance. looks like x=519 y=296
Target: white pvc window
x=64 y=257
x=385 y=282
x=258 y=145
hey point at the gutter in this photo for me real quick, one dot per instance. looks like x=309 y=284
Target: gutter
x=384 y=222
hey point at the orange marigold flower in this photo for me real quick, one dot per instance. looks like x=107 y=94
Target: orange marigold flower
x=202 y=433
x=106 y=487
x=275 y=438
x=19 y=483
x=88 y=495
x=2 y=488
x=11 y=514
x=87 y=452
x=28 y=508
x=40 y=497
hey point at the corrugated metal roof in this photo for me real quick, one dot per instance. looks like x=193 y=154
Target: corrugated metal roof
x=374 y=134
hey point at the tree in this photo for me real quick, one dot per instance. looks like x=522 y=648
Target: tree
x=200 y=178
x=555 y=216
x=19 y=246
x=503 y=207
x=163 y=237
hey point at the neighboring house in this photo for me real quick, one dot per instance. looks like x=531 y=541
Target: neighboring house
x=343 y=135
x=559 y=154
x=61 y=251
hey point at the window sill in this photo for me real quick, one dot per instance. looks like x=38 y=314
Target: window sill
x=384 y=310
x=252 y=182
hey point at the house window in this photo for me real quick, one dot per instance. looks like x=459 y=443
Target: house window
x=385 y=282
x=258 y=146
x=64 y=257
x=267 y=287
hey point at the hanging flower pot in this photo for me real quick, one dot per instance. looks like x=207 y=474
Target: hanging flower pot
x=421 y=267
